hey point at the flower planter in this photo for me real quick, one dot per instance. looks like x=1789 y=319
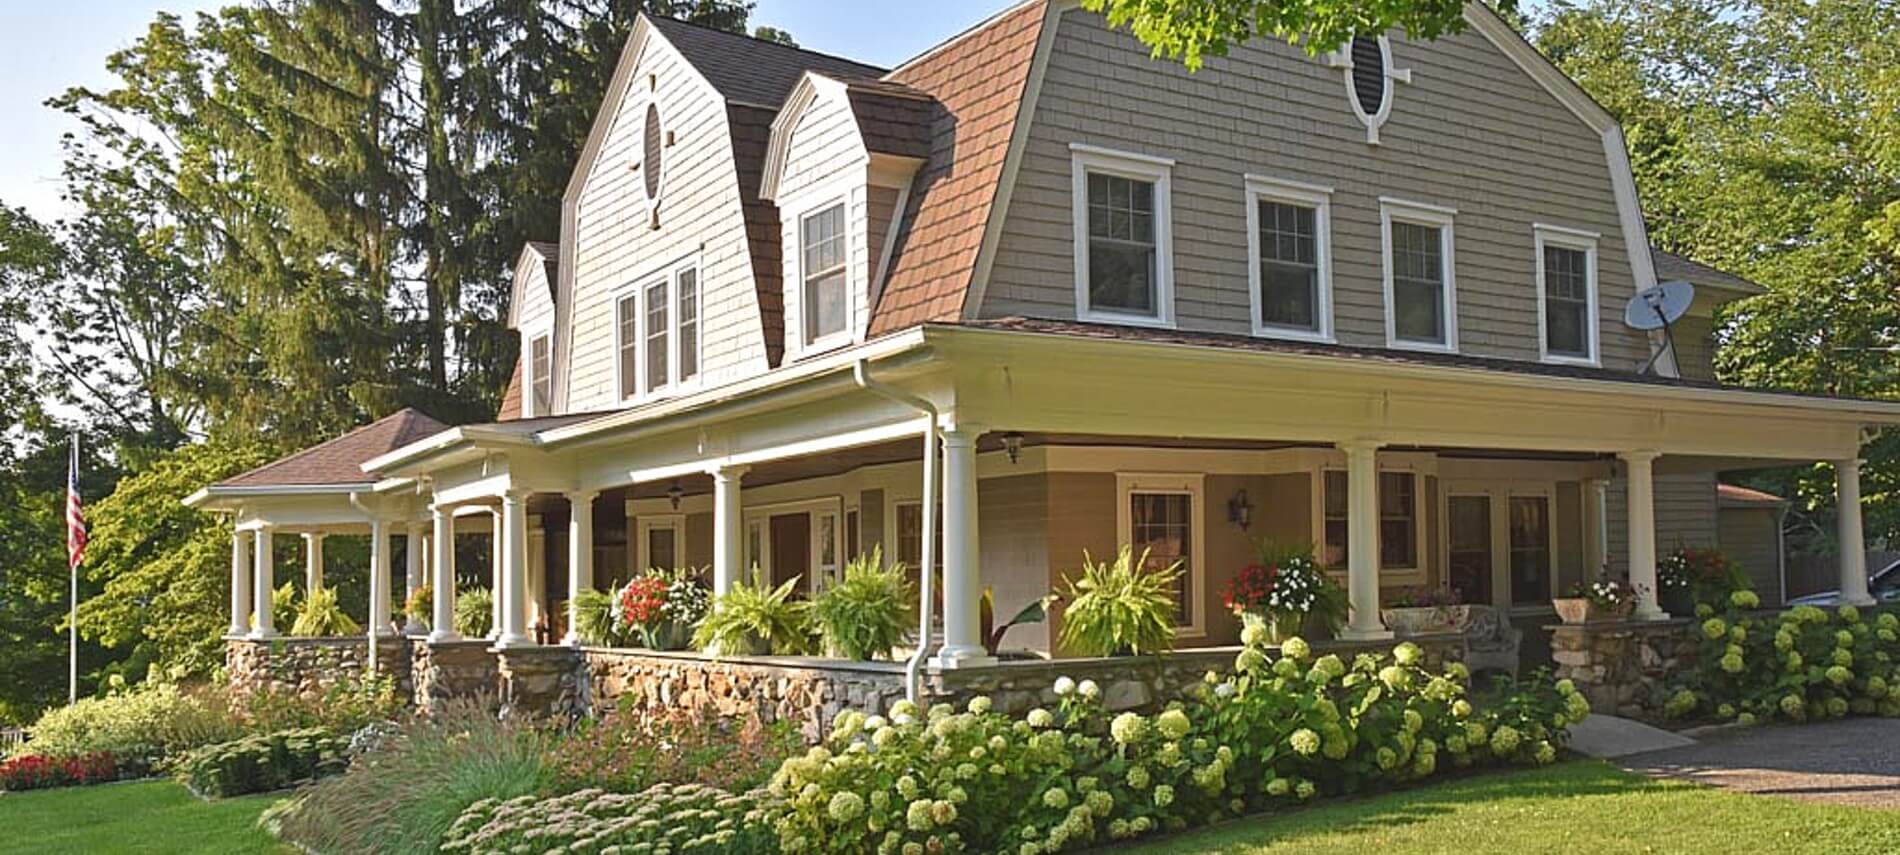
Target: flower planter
x=1423 y=620
x=1580 y=610
x=670 y=635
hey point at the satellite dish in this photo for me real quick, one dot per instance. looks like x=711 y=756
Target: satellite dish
x=1656 y=309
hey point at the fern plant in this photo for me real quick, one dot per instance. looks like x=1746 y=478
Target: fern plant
x=419 y=605
x=594 y=618
x=474 y=613
x=322 y=616
x=754 y=620
x=283 y=607
x=1120 y=607
x=867 y=612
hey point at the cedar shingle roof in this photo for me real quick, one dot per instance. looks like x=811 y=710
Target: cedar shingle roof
x=751 y=135
x=978 y=82
x=1672 y=266
x=892 y=118
x=751 y=71
x=340 y=461
x=510 y=408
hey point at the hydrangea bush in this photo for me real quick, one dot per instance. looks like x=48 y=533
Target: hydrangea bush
x=1804 y=664
x=1272 y=733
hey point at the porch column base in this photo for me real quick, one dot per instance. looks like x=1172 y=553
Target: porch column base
x=954 y=658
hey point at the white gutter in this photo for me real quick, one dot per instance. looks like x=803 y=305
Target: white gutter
x=860 y=371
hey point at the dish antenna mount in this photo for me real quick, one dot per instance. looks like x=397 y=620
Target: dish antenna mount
x=1657 y=309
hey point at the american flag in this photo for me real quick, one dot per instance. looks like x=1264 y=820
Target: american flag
x=75 y=515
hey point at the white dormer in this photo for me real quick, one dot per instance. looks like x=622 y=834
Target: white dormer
x=531 y=315
x=839 y=167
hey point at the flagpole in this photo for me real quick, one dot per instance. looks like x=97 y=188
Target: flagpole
x=72 y=619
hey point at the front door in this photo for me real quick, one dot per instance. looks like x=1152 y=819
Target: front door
x=791 y=549
x=1499 y=542
x=1469 y=539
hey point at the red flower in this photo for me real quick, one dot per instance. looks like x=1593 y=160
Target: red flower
x=641 y=600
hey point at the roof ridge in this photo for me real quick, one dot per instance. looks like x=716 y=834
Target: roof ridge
x=971 y=30
x=305 y=452
x=748 y=36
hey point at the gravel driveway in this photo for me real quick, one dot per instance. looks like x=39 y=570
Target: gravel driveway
x=1852 y=761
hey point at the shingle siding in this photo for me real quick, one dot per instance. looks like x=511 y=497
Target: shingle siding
x=1472 y=132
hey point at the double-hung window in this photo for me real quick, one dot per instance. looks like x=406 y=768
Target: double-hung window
x=1567 y=294
x=686 y=317
x=1421 y=305
x=1159 y=516
x=1289 y=247
x=656 y=333
x=826 y=303
x=1123 y=240
x=541 y=375
x=627 y=344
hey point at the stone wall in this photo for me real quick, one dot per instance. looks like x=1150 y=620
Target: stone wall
x=455 y=669
x=308 y=666
x=1623 y=667
x=541 y=681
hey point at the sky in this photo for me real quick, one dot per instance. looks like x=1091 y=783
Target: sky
x=47 y=47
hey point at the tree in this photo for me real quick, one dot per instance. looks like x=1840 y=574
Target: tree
x=1192 y=30
x=1765 y=137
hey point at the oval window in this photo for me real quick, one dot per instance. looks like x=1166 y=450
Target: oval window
x=653 y=152
x=1368 y=74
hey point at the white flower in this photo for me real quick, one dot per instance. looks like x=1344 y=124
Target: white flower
x=1089 y=690
x=1224 y=690
x=1064 y=687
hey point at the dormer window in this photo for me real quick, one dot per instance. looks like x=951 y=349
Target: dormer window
x=826 y=305
x=541 y=375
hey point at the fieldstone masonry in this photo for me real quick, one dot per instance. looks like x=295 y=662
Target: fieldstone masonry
x=312 y=665
x=541 y=681
x=455 y=669
x=810 y=692
x=1622 y=667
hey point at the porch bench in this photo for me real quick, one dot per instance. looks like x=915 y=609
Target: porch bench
x=1491 y=641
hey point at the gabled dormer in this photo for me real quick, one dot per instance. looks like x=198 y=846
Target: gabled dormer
x=844 y=152
x=531 y=315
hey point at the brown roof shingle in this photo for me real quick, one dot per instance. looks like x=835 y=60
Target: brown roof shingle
x=978 y=83
x=751 y=71
x=511 y=397
x=340 y=461
x=1672 y=266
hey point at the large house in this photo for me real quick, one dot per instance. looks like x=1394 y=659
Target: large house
x=1371 y=300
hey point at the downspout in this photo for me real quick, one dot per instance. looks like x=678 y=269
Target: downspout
x=861 y=372
x=356 y=501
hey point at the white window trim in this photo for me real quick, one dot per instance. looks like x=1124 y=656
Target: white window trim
x=761 y=515
x=1192 y=485
x=1499 y=492
x=1414 y=574
x=1586 y=242
x=1418 y=213
x=1085 y=159
x=1263 y=188
x=664 y=522
x=636 y=290
x=643 y=310
x=845 y=335
x=528 y=335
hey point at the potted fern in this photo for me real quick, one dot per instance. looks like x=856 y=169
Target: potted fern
x=757 y=620
x=474 y=613
x=1120 y=607
x=322 y=616
x=867 y=612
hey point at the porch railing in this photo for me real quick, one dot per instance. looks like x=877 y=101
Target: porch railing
x=10 y=738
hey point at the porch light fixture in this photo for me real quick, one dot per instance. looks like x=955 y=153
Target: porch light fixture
x=674 y=494
x=1240 y=510
x=1013 y=446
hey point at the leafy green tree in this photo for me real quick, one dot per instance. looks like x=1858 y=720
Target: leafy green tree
x=1765 y=137
x=1192 y=30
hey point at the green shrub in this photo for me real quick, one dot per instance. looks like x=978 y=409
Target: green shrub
x=263 y=763
x=594 y=618
x=322 y=616
x=474 y=613
x=1805 y=664
x=663 y=818
x=343 y=707
x=139 y=728
x=1120 y=607
x=1274 y=733
x=403 y=798
x=418 y=605
x=758 y=620
x=869 y=610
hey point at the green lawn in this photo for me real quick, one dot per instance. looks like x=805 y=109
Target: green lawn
x=1585 y=806
x=143 y=817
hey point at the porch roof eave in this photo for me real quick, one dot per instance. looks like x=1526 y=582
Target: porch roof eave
x=230 y=498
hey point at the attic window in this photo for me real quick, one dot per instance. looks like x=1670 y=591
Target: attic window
x=654 y=147
x=1367 y=62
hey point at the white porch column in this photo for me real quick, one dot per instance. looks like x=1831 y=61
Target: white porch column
x=962 y=579
x=580 y=557
x=414 y=547
x=1362 y=541
x=442 y=601
x=497 y=577
x=378 y=579
x=240 y=582
x=1640 y=476
x=312 y=562
x=728 y=529
x=263 y=585
x=514 y=571
x=1853 y=543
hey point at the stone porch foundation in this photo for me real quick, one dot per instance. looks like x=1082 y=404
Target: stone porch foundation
x=1622 y=667
x=309 y=666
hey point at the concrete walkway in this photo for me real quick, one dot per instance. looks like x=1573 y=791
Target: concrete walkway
x=1852 y=761
x=1608 y=736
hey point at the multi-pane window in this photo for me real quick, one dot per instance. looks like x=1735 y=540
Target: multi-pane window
x=656 y=336
x=1530 y=550
x=1122 y=254
x=541 y=363
x=1289 y=265
x=826 y=306
x=1418 y=283
x=627 y=338
x=1566 y=276
x=1398 y=520
x=662 y=548
x=686 y=296
x=910 y=534
x=1162 y=526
